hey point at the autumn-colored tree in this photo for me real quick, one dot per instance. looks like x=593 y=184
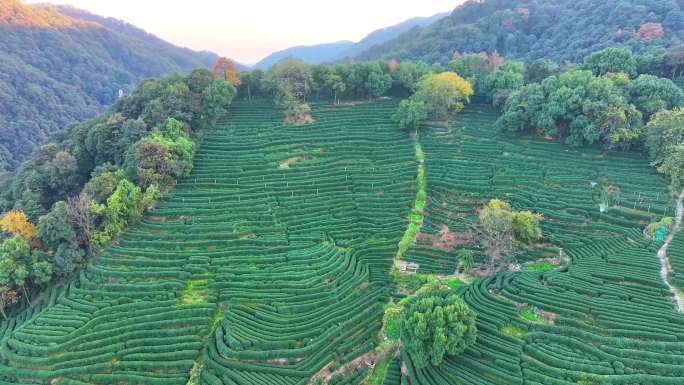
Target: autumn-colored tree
x=524 y=13
x=444 y=94
x=17 y=223
x=393 y=65
x=494 y=60
x=501 y=230
x=226 y=69
x=649 y=31
x=8 y=297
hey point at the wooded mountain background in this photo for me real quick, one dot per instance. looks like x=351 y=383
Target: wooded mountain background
x=557 y=30
x=60 y=65
x=63 y=65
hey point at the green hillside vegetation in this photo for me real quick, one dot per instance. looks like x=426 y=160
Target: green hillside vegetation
x=491 y=228
x=562 y=30
x=54 y=75
x=283 y=254
x=592 y=299
x=85 y=189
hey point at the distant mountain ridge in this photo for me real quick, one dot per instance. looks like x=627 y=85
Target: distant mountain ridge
x=312 y=54
x=330 y=52
x=60 y=65
x=386 y=34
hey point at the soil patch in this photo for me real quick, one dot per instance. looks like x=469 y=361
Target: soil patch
x=447 y=239
x=299 y=120
x=285 y=163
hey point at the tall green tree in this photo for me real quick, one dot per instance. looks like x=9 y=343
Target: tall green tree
x=665 y=144
x=410 y=113
x=20 y=266
x=436 y=324
x=408 y=75
x=474 y=68
x=507 y=78
x=289 y=77
x=611 y=60
x=378 y=82
x=215 y=100
x=57 y=232
x=540 y=70
x=651 y=94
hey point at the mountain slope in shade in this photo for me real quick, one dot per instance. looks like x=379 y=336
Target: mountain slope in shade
x=60 y=65
x=558 y=30
x=330 y=52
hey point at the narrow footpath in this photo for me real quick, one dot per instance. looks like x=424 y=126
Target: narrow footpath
x=665 y=266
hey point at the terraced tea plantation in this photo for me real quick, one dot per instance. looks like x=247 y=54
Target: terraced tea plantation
x=271 y=263
x=607 y=317
x=267 y=263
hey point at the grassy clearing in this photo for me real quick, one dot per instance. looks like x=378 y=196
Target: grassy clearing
x=392 y=328
x=539 y=266
x=512 y=330
x=453 y=282
x=530 y=315
x=197 y=290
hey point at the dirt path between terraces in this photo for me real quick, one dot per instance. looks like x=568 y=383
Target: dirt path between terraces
x=665 y=266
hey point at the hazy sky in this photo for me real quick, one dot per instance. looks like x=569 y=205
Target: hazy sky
x=248 y=30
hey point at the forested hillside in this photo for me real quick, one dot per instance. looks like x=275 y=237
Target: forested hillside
x=59 y=66
x=531 y=29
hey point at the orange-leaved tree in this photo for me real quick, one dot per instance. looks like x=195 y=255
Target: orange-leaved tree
x=17 y=223
x=8 y=297
x=226 y=69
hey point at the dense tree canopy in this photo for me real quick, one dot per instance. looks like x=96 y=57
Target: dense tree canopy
x=597 y=103
x=665 y=144
x=560 y=30
x=294 y=79
x=20 y=266
x=410 y=113
x=435 y=324
x=506 y=78
x=474 y=68
x=611 y=60
x=651 y=94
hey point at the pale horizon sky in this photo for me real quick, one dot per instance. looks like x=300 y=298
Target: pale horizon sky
x=247 y=31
